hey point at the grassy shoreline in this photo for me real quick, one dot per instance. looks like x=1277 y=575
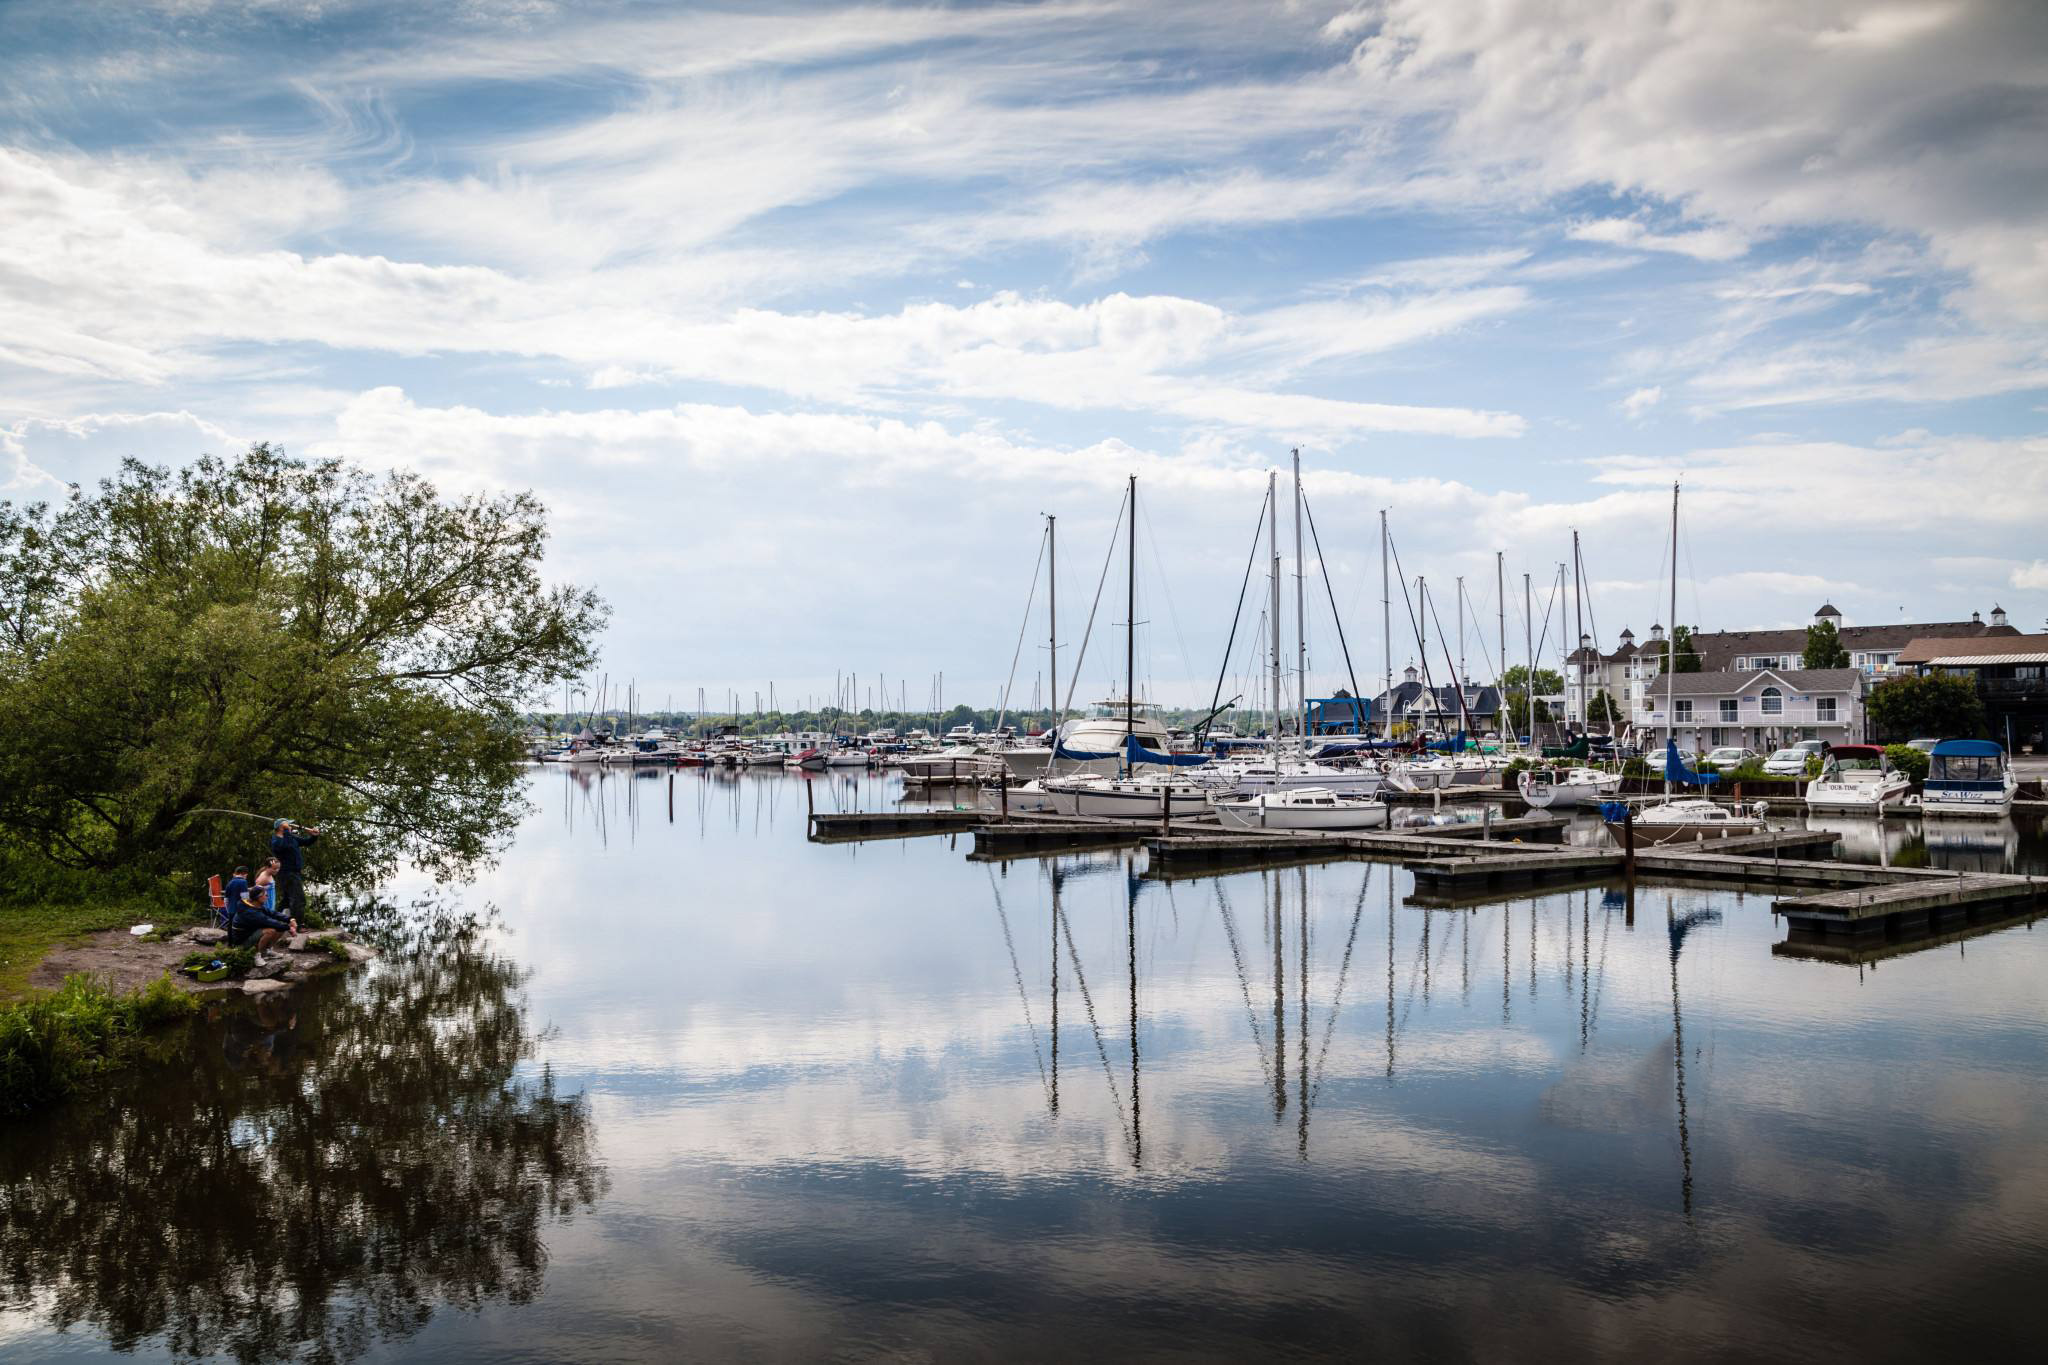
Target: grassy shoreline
x=30 y=933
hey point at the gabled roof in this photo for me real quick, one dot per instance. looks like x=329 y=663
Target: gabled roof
x=1993 y=649
x=1729 y=683
x=1719 y=649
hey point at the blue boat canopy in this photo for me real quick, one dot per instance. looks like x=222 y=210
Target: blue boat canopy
x=1136 y=752
x=1676 y=771
x=1968 y=748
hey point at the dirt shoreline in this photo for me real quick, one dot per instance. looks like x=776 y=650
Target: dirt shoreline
x=128 y=963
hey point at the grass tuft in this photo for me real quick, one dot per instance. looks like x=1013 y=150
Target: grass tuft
x=50 y=1044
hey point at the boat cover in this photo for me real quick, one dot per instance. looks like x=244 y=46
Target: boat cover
x=1134 y=752
x=1676 y=771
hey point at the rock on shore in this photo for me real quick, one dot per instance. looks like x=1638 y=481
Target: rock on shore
x=129 y=963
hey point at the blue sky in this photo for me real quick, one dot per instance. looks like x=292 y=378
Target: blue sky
x=800 y=318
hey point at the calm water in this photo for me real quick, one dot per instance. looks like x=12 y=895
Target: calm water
x=704 y=1090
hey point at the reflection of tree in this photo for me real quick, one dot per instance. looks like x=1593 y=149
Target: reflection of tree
x=306 y=1183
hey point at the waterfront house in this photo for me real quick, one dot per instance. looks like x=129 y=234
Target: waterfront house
x=1760 y=708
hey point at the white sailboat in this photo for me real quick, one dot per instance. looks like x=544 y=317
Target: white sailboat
x=1307 y=808
x=1680 y=817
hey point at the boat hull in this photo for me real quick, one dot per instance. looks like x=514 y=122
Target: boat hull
x=1257 y=814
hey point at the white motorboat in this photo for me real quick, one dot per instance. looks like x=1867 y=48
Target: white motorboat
x=1693 y=817
x=847 y=758
x=811 y=760
x=1301 y=808
x=1969 y=777
x=1855 y=780
x=1548 y=789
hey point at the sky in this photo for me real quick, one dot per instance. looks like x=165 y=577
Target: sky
x=801 y=319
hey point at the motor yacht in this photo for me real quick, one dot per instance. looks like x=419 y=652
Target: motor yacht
x=1855 y=780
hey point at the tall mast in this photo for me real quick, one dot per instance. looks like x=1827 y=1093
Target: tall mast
x=1387 y=622
x=1300 y=608
x=1052 y=617
x=1671 y=638
x=1461 y=630
x=1131 y=639
x=1579 y=634
x=1500 y=600
x=1422 y=637
x=1273 y=568
x=1529 y=648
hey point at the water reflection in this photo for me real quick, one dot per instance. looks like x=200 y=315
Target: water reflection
x=323 y=1173
x=877 y=1100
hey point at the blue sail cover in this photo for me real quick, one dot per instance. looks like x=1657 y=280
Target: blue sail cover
x=1676 y=771
x=1135 y=752
x=1060 y=750
x=1454 y=745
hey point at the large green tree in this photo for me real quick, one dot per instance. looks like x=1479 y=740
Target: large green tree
x=275 y=636
x=1688 y=654
x=1824 y=648
x=1514 y=684
x=1936 y=706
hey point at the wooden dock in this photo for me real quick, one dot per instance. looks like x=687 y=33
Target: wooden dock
x=1910 y=904
x=1860 y=950
x=846 y=827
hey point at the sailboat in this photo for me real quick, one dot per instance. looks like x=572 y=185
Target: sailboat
x=1127 y=797
x=1676 y=817
x=1279 y=769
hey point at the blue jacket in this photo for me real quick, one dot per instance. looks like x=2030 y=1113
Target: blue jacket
x=249 y=916
x=285 y=847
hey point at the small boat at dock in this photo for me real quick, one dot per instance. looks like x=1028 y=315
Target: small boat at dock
x=1301 y=808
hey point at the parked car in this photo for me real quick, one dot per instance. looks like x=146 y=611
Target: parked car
x=1729 y=757
x=1786 y=762
x=1811 y=746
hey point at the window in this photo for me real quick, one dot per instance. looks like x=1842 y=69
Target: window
x=1683 y=710
x=1728 y=711
x=1774 y=702
x=1824 y=709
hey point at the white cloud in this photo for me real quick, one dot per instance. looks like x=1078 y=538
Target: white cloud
x=1641 y=401
x=2030 y=576
x=1702 y=244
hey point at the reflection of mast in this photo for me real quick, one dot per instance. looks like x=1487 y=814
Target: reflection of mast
x=1279 y=1009
x=1131 y=952
x=1244 y=980
x=1390 y=976
x=1017 y=975
x=1088 y=1003
x=1678 y=926
x=1055 y=867
x=1301 y=1026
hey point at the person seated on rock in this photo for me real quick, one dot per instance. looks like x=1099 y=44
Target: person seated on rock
x=254 y=924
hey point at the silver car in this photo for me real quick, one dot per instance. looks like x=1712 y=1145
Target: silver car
x=1729 y=757
x=1786 y=763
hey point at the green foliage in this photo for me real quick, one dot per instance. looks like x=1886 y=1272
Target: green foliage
x=1514 y=685
x=51 y=1043
x=1913 y=762
x=1689 y=660
x=1824 y=648
x=1936 y=706
x=1603 y=709
x=329 y=945
x=236 y=960
x=1638 y=767
x=271 y=635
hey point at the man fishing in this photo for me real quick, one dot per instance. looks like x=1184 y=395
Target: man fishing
x=287 y=842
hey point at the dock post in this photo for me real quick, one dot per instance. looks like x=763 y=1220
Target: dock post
x=1003 y=791
x=671 y=798
x=810 y=807
x=1486 y=823
x=1628 y=857
x=1165 y=810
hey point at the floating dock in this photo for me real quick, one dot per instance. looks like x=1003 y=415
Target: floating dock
x=1908 y=904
